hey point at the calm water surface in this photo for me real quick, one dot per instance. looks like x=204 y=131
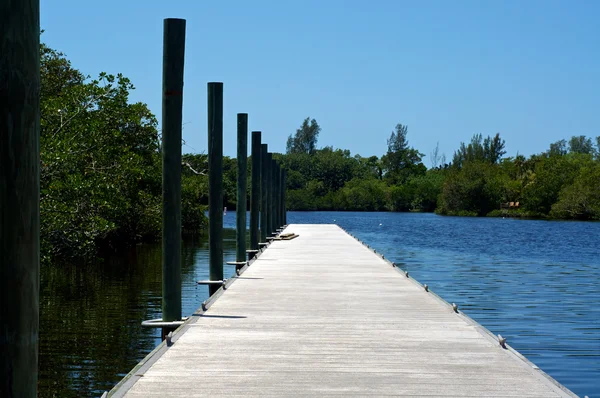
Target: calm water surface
x=534 y=282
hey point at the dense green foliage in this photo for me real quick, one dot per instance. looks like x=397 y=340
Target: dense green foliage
x=563 y=182
x=101 y=171
x=100 y=163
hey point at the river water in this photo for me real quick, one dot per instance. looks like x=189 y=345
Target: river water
x=534 y=282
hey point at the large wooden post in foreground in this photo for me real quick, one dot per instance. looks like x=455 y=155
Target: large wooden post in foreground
x=255 y=196
x=242 y=184
x=19 y=196
x=172 y=96
x=215 y=183
x=263 y=193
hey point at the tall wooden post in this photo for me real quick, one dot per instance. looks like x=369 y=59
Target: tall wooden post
x=284 y=197
x=215 y=183
x=255 y=198
x=274 y=195
x=281 y=189
x=276 y=198
x=269 y=209
x=242 y=184
x=19 y=196
x=172 y=103
x=263 y=192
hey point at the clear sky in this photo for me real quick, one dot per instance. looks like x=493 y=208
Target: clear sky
x=528 y=69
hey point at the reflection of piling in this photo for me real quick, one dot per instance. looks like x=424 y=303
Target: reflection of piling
x=215 y=183
x=242 y=180
x=263 y=193
x=173 y=60
x=255 y=198
x=19 y=197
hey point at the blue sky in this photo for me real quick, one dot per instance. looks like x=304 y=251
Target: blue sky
x=448 y=69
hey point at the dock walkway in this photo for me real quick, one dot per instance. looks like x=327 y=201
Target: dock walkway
x=324 y=315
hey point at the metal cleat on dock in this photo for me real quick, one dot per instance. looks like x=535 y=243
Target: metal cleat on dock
x=502 y=341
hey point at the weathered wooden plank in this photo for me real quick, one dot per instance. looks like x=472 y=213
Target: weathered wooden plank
x=323 y=315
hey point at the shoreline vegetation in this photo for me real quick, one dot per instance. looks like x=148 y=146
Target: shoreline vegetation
x=100 y=183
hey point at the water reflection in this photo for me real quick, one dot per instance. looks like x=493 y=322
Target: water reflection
x=90 y=315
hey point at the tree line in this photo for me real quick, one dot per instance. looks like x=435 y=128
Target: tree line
x=562 y=182
x=101 y=182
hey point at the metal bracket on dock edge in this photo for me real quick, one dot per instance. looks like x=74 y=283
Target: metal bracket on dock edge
x=159 y=323
x=251 y=254
x=238 y=265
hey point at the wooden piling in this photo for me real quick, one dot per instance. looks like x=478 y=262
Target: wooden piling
x=172 y=104
x=255 y=196
x=284 y=197
x=263 y=192
x=19 y=196
x=242 y=184
x=215 y=183
x=276 y=198
x=281 y=189
x=269 y=209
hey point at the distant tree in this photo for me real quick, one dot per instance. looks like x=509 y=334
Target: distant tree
x=305 y=139
x=581 y=199
x=581 y=144
x=437 y=159
x=488 y=150
x=401 y=161
x=370 y=167
x=558 y=148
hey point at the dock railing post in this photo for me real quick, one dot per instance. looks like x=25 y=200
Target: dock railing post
x=281 y=189
x=215 y=184
x=242 y=185
x=274 y=195
x=263 y=193
x=255 y=196
x=172 y=103
x=19 y=197
x=268 y=210
x=284 y=197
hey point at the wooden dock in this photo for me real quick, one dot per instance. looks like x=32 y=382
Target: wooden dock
x=323 y=314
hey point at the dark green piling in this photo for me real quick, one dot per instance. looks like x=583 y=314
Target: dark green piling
x=273 y=195
x=284 y=197
x=269 y=209
x=242 y=185
x=263 y=192
x=255 y=196
x=19 y=196
x=281 y=189
x=215 y=183
x=172 y=96
x=276 y=197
